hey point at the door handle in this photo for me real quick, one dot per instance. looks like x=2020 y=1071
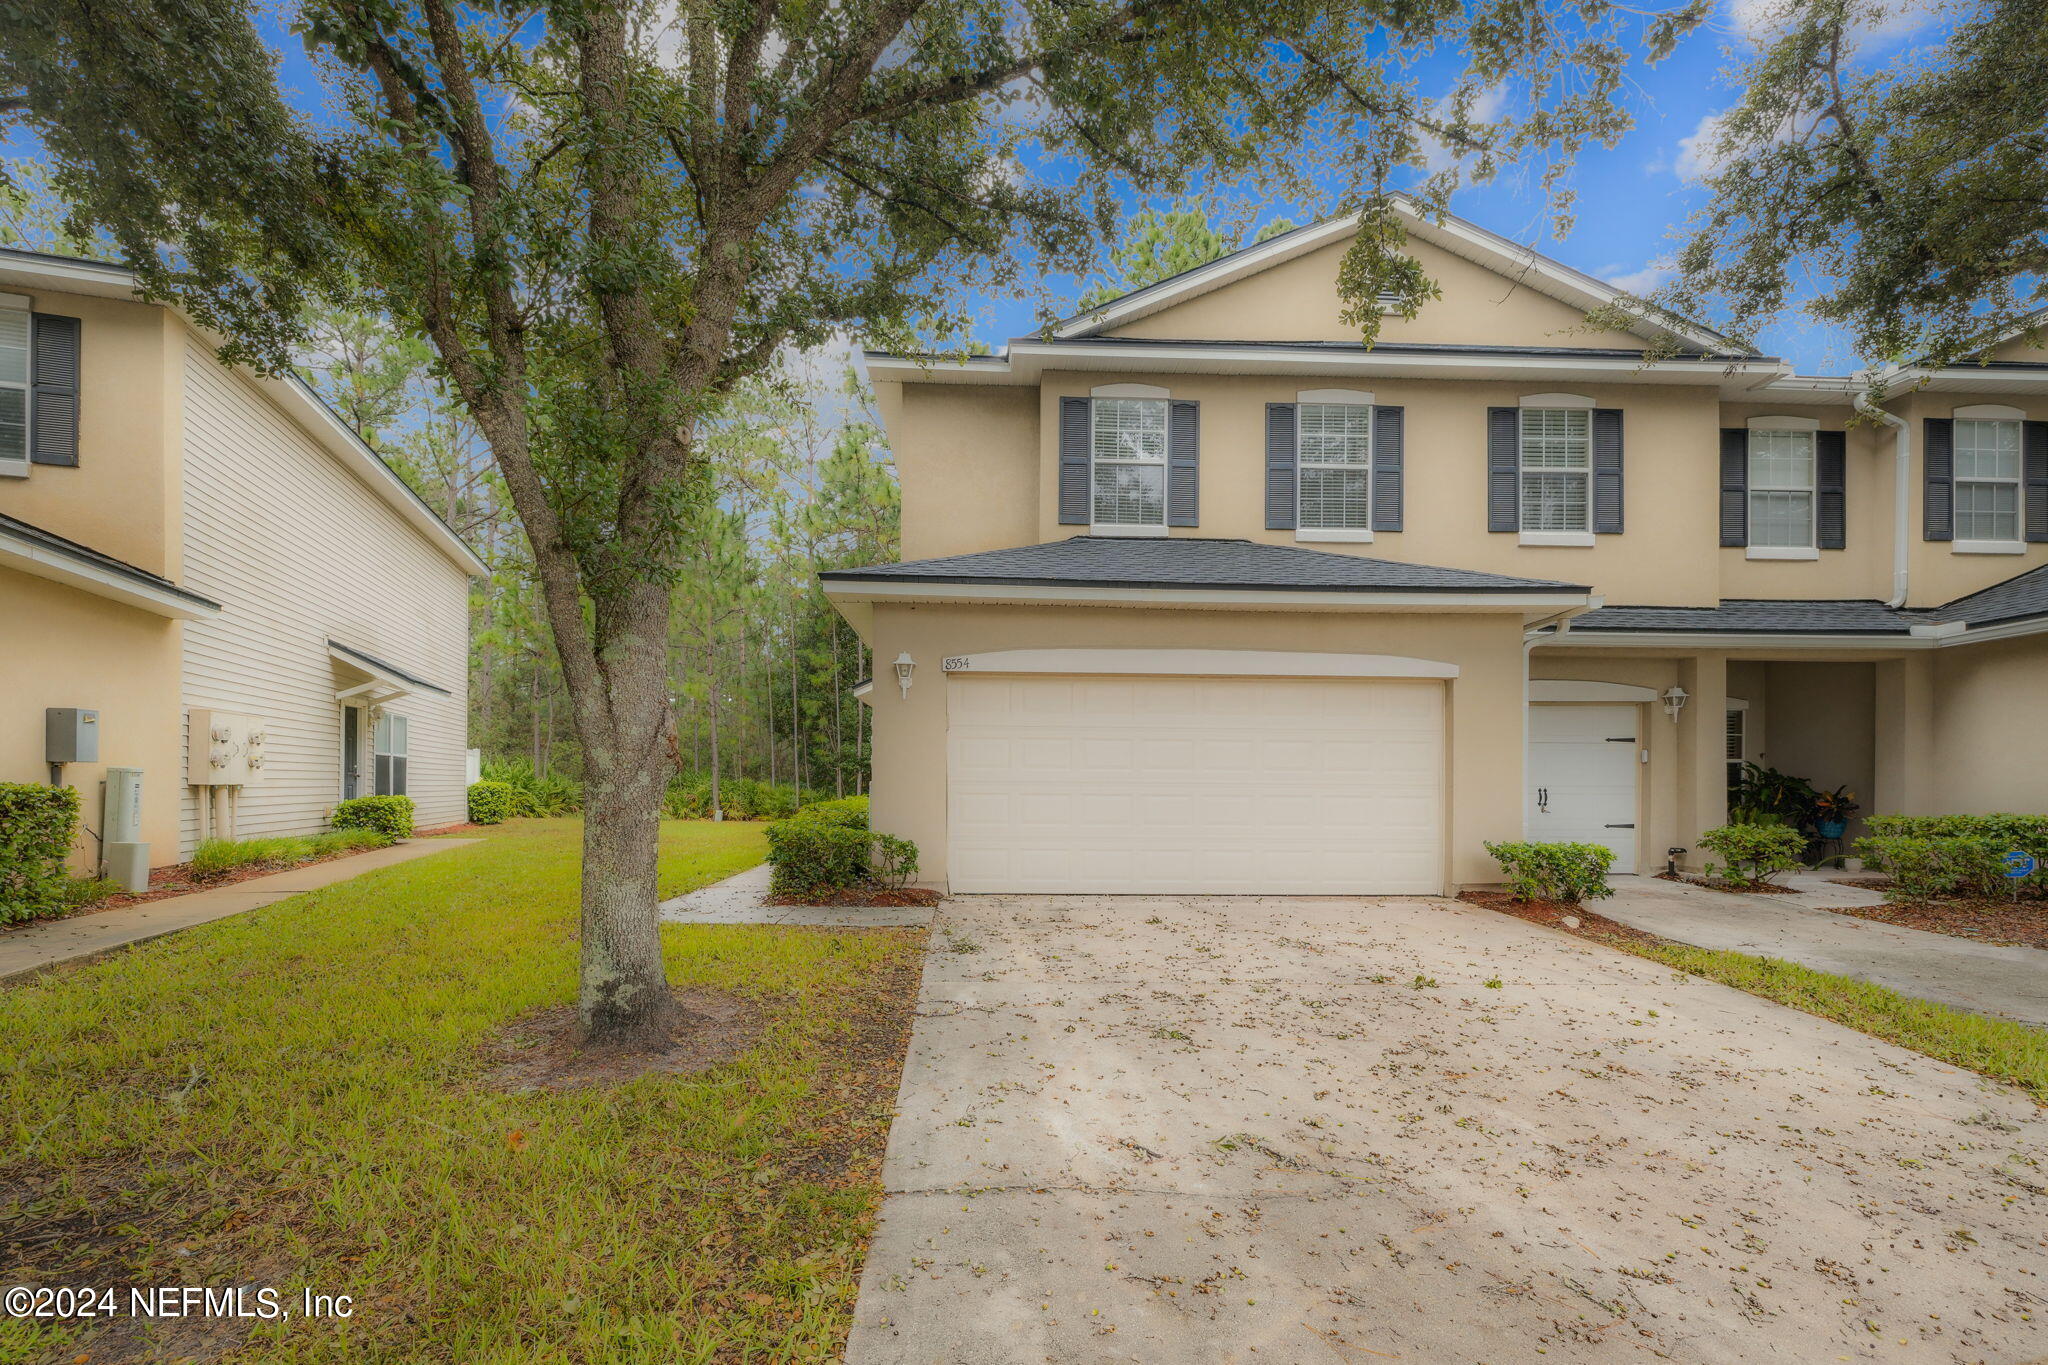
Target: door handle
x=1629 y=825
x=1543 y=799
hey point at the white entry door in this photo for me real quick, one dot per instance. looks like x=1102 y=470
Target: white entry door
x=1203 y=785
x=1583 y=762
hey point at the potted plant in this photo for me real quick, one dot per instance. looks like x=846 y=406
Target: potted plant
x=1831 y=812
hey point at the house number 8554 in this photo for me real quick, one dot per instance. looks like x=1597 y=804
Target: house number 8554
x=953 y=664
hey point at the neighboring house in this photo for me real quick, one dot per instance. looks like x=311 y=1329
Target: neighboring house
x=1203 y=595
x=181 y=539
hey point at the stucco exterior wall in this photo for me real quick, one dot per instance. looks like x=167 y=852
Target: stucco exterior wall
x=300 y=552
x=968 y=468
x=1822 y=726
x=1483 y=784
x=1297 y=301
x=64 y=647
x=1990 y=724
x=1940 y=574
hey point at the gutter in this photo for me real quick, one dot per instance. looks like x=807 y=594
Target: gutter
x=1902 y=486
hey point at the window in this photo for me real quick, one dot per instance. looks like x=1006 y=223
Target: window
x=1738 y=751
x=389 y=744
x=1557 y=469
x=1987 y=480
x=14 y=325
x=1128 y=445
x=1334 y=462
x=1781 y=489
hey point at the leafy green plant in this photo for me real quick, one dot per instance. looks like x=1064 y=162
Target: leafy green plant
x=1765 y=796
x=1563 y=872
x=537 y=794
x=37 y=824
x=390 y=815
x=490 y=802
x=79 y=892
x=216 y=857
x=827 y=850
x=1754 y=853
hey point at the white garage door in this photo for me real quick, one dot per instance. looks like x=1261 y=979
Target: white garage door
x=1205 y=785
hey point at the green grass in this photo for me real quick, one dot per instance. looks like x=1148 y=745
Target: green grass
x=1997 y=1048
x=290 y=1096
x=215 y=856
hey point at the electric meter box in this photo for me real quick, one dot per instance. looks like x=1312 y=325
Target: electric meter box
x=71 y=734
x=223 y=749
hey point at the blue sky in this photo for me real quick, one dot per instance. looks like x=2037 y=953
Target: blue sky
x=1632 y=198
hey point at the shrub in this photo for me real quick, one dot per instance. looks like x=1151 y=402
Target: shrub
x=490 y=802
x=1923 y=867
x=827 y=850
x=2029 y=832
x=850 y=812
x=892 y=862
x=1555 y=872
x=538 y=793
x=1754 y=853
x=347 y=841
x=37 y=824
x=390 y=815
x=744 y=798
x=216 y=856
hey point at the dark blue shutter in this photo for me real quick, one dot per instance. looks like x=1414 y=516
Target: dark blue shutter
x=1184 y=463
x=1830 y=485
x=2034 y=469
x=1607 y=487
x=1503 y=469
x=1387 y=424
x=1075 y=431
x=1281 y=456
x=1938 y=493
x=53 y=379
x=1734 y=486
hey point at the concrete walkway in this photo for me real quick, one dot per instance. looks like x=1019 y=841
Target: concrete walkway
x=743 y=899
x=1983 y=977
x=1204 y=1130
x=40 y=946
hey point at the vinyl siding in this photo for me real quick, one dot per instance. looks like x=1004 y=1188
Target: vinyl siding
x=299 y=552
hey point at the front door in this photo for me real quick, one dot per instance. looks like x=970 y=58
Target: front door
x=351 y=752
x=1583 y=762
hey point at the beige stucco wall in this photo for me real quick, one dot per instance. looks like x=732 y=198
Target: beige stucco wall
x=115 y=659
x=1297 y=301
x=1821 y=725
x=1485 y=741
x=121 y=499
x=1939 y=574
x=967 y=462
x=1990 y=727
x=1862 y=567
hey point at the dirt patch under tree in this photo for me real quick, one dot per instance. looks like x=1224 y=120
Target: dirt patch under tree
x=539 y=1051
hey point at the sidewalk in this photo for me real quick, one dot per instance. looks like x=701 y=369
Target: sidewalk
x=30 y=950
x=1983 y=977
x=743 y=899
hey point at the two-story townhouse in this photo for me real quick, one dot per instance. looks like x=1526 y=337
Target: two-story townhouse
x=1202 y=595
x=245 y=602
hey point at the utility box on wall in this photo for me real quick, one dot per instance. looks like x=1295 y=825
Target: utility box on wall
x=71 y=734
x=223 y=749
x=126 y=857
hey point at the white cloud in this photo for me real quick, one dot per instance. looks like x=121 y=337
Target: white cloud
x=1698 y=155
x=1640 y=282
x=1486 y=107
x=1760 y=20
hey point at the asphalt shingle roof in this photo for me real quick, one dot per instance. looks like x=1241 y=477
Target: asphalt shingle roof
x=1753 y=617
x=1186 y=562
x=86 y=555
x=2015 y=599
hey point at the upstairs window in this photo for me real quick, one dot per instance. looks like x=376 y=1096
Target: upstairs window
x=1781 y=489
x=1557 y=469
x=14 y=350
x=1987 y=480
x=1127 y=445
x=1335 y=466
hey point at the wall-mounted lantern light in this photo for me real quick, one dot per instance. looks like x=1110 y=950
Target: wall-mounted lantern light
x=1675 y=698
x=905 y=666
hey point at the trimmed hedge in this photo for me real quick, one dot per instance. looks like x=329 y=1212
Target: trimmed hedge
x=1562 y=872
x=37 y=825
x=1755 y=853
x=390 y=815
x=827 y=850
x=490 y=802
x=1931 y=856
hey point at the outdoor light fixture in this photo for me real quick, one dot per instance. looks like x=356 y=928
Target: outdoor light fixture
x=905 y=666
x=1675 y=698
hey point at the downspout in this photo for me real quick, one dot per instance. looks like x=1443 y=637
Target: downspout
x=1902 y=488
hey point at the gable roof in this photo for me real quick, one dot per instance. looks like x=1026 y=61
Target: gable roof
x=1447 y=231
x=306 y=408
x=2017 y=598
x=31 y=549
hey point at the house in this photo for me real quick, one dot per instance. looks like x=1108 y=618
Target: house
x=1201 y=595
x=241 y=599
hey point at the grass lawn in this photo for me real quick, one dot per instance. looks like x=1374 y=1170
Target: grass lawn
x=290 y=1098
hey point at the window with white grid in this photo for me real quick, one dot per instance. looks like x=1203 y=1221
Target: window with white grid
x=1128 y=442
x=1987 y=480
x=1557 y=469
x=1738 y=750
x=13 y=384
x=1781 y=489
x=1334 y=466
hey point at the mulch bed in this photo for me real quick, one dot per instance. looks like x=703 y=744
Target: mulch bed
x=178 y=879
x=2022 y=924
x=1552 y=915
x=539 y=1051
x=881 y=898
x=1766 y=888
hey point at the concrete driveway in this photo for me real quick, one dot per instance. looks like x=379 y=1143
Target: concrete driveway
x=1307 y=1130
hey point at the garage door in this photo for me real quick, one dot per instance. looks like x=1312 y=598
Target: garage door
x=1204 y=785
